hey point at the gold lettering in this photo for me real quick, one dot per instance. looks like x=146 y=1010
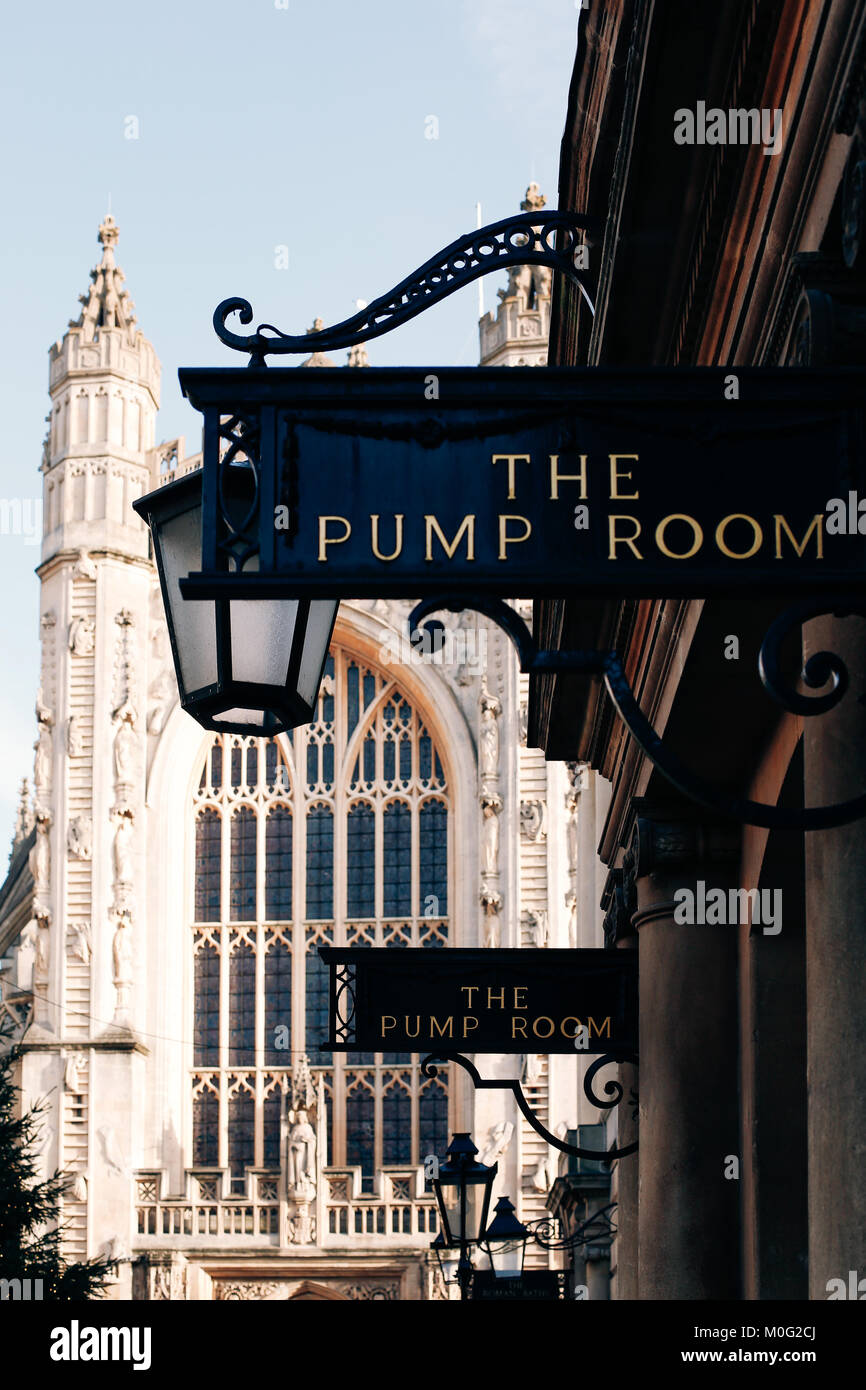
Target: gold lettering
x=444 y=1029
x=599 y=1031
x=756 y=531
x=543 y=1019
x=556 y=477
x=505 y=539
x=398 y=536
x=409 y=1033
x=515 y=1024
x=616 y=540
x=498 y=994
x=325 y=540
x=696 y=532
x=617 y=477
x=520 y=989
x=392 y=1023
x=510 y=459
x=467 y=525
x=782 y=525
x=575 y=1021
x=467 y=1019
x=470 y=990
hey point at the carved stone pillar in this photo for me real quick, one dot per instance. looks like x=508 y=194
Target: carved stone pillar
x=835 y=769
x=688 y=1209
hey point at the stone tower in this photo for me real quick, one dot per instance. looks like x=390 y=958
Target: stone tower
x=81 y=1047
x=516 y=335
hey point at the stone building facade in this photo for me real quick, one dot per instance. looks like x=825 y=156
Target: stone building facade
x=168 y=890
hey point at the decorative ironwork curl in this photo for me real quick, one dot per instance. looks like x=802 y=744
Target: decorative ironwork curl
x=344 y=1002
x=429 y=1068
x=819 y=669
x=612 y=1089
x=543 y=1230
x=530 y=238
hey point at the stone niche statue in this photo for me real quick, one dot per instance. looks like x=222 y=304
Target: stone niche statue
x=125 y=746
x=490 y=711
x=302 y=1158
x=491 y=806
x=123 y=838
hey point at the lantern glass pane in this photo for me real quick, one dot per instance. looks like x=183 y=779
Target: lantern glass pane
x=316 y=639
x=193 y=622
x=262 y=634
x=255 y=717
x=506 y=1258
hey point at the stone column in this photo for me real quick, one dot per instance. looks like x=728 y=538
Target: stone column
x=688 y=1209
x=618 y=902
x=835 y=770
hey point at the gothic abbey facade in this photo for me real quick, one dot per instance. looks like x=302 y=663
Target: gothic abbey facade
x=168 y=890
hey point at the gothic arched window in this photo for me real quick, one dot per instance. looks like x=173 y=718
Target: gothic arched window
x=337 y=834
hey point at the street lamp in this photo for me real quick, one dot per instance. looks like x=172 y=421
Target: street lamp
x=505 y=1241
x=243 y=666
x=462 y=1189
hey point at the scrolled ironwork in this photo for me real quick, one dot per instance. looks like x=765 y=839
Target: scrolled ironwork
x=820 y=668
x=612 y=1089
x=344 y=1002
x=531 y=238
x=599 y=1226
x=430 y=1068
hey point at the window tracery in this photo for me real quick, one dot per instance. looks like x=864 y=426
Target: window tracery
x=337 y=834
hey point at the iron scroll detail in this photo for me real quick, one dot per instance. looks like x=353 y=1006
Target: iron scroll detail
x=552 y=239
x=822 y=668
x=431 y=1063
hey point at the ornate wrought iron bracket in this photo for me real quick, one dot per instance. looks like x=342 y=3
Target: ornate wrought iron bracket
x=613 y=1094
x=599 y=1226
x=820 y=669
x=551 y=239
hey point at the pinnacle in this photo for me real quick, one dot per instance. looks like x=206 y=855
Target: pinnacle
x=106 y=304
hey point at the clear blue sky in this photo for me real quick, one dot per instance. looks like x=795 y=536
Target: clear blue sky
x=260 y=124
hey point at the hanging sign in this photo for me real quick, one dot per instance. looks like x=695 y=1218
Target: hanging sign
x=405 y=481
x=399 y=999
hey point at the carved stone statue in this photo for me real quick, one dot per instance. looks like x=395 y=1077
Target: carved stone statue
x=490 y=711
x=43 y=747
x=84 y=568
x=123 y=839
x=40 y=854
x=491 y=806
x=538 y=928
x=78 y=934
x=302 y=1157
x=82 y=636
x=533 y=819
x=79 y=838
x=74 y=740
x=42 y=941
x=121 y=951
x=498 y=1139
x=73 y=1077
x=572 y=802
x=125 y=746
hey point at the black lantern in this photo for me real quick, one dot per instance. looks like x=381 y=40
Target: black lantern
x=505 y=1241
x=462 y=1190
x=246 y=666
